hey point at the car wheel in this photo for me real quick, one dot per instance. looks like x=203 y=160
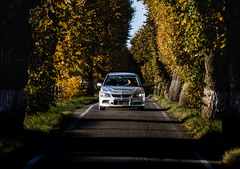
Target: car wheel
x=140 y=108
x=101 y=108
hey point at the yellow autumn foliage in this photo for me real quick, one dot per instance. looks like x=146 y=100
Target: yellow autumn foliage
x=185 y=32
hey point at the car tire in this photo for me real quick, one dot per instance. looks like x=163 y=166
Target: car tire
x=141 y=108
x=101 y=108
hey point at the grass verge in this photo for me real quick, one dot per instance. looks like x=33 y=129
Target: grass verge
x=40 y=128
x=207 y=130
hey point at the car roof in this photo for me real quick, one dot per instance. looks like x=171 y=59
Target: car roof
x=122 y=74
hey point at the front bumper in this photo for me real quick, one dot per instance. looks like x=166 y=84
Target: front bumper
x=121 y=102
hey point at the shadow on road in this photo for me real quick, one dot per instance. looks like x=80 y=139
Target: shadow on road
x=114 y=139
x=104 y=153
x=110 y=145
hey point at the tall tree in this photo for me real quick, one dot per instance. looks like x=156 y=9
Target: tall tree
x=231 y=109
x=104 y=27
x=145 y=52
x=15 y=47
x=215 y=58
x=62 y=40
x=44 y=23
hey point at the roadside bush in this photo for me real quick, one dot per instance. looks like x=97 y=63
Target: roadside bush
x=232 y=157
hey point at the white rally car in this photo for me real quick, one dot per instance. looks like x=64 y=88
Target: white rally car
x=121 y=90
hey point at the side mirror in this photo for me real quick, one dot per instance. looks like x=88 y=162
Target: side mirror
x=144 y=85
x=99 y=84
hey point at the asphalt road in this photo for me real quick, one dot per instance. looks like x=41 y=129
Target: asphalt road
x=124 y=138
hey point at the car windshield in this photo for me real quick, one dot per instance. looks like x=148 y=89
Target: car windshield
x=121 y=81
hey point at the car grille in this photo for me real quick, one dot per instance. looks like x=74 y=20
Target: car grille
x=121 y=103
x=122 y=95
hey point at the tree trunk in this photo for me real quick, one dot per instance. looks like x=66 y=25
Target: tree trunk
x=221 y=93
x=15 y=38
x=231 y=120
x=183 y=99
x=175 y=88
x=166 y=92
x=12 y=110
x=157 y=87
x=213 y=97
x=88 y=84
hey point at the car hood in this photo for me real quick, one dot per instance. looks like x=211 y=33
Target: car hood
x=122 y=89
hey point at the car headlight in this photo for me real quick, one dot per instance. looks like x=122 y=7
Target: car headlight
x=139 y=95
x=105 y=94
